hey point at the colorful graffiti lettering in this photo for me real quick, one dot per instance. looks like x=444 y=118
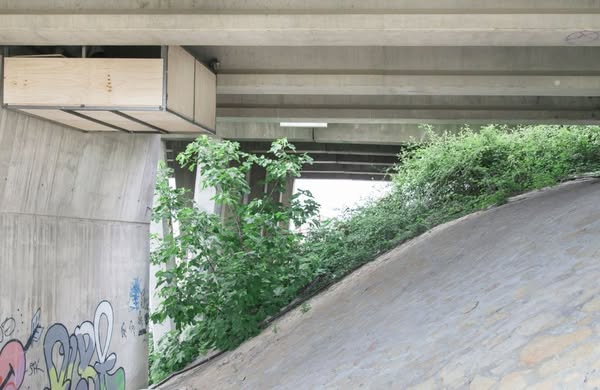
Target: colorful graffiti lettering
x=7 y=328
x=12 y=355
x=79 y=347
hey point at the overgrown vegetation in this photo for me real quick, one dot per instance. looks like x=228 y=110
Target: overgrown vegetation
x=235 y=274
x=449 y=177
x=222 y=277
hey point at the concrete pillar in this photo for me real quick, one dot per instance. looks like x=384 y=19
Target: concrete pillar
x=289 y=191
x=74 y=221
x=258 y=188
x=286 y=196
x=256 y=178
x=160 y=229
x=184 y=178
x=192 y=181
x=203 y=197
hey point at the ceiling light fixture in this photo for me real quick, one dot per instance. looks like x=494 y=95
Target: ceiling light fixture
x=303 y=124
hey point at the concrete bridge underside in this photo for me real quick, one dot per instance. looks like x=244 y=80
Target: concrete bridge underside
x=373 y=70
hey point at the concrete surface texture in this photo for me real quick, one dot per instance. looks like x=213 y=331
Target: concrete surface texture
x=300 y=23
x=396 y=86
x=507 y=298
x=74 y=222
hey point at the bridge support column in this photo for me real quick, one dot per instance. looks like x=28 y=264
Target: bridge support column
x=258 y=188
x=203 y=198
x=160 y=229
x=74 y=221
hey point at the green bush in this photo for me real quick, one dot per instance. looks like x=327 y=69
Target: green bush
x=222 y=278
x=448 y=177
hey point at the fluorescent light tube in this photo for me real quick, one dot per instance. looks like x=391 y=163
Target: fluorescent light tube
x=303 y=124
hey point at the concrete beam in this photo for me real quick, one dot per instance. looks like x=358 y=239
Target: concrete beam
x=382 y=161
x=319 y=6
x=331 y=84
x=345 y=168
x=407 y=109
x=329 y=148
x=344 y=176
x=401 y=60
x=415 y=101
x=283 y=23
x=454 y=116
x=334 y=133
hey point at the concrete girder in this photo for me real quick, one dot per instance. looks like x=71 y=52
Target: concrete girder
x=344 y=176
x=402 y=60
x=335 y=132
x=383 y=161
x=271 y=23
x=373 y=109
x=407 y=116
x=499 y=85
x=321 y=6
x=345 y=168
x=329 y=148
x=415 y=101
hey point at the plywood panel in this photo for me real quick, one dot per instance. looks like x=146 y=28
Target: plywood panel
x=83 y=81
x=205 y=101
x=117 y=120
x=166 y=121
x=180 y=81
x=69 y=119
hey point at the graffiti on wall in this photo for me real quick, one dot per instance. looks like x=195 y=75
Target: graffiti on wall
x=7 y=328
x=135 y=295
x=13 y=362
x=69 y=357
x=138 y=301
x=78 y=360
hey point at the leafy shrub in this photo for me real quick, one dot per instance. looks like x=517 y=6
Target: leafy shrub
x=448 y=177
x=222 y=278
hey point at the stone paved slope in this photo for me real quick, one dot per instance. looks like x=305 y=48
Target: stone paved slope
x=507 y=298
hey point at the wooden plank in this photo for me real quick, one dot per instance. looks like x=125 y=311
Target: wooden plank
x=167 y=121
x=116 y=120
x=68 y=119
x=103 y=82
x=205 y=92
x=180 y=81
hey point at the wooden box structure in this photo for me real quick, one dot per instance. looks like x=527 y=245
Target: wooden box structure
x=172 y=94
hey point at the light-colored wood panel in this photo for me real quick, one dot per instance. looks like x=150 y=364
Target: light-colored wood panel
x=69 y=119
x=180 y=81
x=110 y=82
x=167 y=121
x=117 y=120
x=205 y=101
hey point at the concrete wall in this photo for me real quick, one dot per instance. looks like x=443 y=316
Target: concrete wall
x=74 y=220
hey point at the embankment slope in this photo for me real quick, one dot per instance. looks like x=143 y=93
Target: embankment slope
x=504 y=298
